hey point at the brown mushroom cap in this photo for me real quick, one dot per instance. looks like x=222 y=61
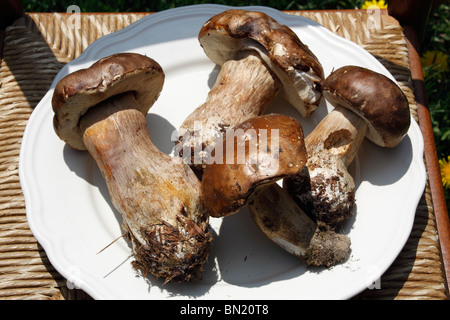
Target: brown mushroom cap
x=375 y=98
x=108 y=77
x=227 y=186
x=229 y=32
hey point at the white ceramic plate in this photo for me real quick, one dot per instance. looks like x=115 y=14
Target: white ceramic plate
x=70 y=214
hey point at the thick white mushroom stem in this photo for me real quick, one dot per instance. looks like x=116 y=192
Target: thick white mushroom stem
x=279 y=217
x=158 y=196
x=324 y=188
x=243 y=89
x=377 y=109
x=340 y=133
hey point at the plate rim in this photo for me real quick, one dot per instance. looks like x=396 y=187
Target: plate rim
x=32 y=203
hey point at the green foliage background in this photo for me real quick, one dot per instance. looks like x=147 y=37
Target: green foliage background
x=437 y=82
x=437 y=37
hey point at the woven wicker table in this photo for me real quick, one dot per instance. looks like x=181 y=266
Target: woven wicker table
x=35 y=48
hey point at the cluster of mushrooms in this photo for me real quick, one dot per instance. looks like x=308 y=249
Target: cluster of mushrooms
x=166 y=201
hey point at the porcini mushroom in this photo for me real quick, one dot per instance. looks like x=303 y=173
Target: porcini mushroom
x=366 y=104
x=254 y=154
x=102 y=109
x=259 y=58
x=280 y=218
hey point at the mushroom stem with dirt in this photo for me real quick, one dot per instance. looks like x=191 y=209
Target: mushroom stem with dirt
x=366 y=104
x=259 y=58
x=251 y=156
x=103 y=109
x=281 y=220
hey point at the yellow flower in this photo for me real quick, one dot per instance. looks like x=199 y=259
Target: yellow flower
x=434 y=61
x=373 y=4
x=444 y=165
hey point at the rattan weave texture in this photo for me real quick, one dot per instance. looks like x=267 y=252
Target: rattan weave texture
x=38 y=45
